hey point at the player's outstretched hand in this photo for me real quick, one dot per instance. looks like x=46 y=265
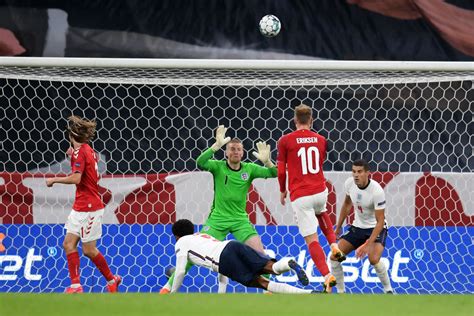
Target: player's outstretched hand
x=263 y=152
x=49 y=182
x=221 y=140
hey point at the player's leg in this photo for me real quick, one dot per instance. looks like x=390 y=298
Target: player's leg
x=307 y=223
x=354 y=238
x=244 y=265
x=336 y=265
x=73 y=229
x=284 y=265
x=374 y=258
x=276 y=287
x=246 y=233
x=73 y=262
x=325 y=223
x=90 y=233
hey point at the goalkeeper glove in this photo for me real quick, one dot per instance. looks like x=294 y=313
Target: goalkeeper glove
x=263 y=154
x=221 y=140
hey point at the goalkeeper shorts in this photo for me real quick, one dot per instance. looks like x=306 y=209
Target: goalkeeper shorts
x=242 y=230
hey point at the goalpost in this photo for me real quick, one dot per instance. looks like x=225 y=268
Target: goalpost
x=411 y=120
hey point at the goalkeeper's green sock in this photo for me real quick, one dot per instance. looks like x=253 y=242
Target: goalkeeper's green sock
x=267 y=276
x=169 y=284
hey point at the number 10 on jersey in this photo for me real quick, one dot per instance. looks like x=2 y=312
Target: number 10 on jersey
x=309 y=158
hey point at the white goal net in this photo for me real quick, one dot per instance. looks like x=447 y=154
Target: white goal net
x=411 y=121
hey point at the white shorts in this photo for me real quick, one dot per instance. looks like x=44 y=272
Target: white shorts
x=306 y=208
x=86 y=225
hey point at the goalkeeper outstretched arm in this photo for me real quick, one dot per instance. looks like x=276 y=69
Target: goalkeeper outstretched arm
x=263 y=154
x=204 y=160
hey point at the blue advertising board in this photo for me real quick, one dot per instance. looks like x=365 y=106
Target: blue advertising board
x=420 y=260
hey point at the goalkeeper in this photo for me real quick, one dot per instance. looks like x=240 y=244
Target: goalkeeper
x=232 y=180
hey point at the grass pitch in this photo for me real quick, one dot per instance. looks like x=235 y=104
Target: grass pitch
x=234 y=304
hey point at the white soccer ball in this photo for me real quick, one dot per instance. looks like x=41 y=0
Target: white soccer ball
x=269 y=25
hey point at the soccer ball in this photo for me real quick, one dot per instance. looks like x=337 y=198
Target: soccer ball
x=269 y=25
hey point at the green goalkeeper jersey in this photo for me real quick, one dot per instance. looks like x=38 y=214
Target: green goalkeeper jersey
x=231 y=187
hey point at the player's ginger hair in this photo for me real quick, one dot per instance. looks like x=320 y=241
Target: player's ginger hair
x=303 y=114
x=82 y=130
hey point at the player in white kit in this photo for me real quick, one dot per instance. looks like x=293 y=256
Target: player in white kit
x=232 y=259
x=368 y=232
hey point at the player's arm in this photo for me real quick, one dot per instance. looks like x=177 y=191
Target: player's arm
x=181 y=261
x=364 y=249
x=223 y=281
x=204 y=160
x=345 y=211
x=74 y=178
x=263 y=154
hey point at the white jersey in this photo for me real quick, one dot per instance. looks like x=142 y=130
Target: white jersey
x=201 y=249
x=365 y=202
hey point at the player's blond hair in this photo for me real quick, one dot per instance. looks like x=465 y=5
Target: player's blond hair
x=303 y=114
x=235 y=141
x=82 y=130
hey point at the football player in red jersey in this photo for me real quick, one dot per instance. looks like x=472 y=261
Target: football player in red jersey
x=85 y=220
x=302 y=154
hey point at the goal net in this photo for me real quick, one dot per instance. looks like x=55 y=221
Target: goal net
x=411 y=121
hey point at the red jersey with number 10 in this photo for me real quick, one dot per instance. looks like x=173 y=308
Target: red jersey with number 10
x=84 y=160
x=302 y=153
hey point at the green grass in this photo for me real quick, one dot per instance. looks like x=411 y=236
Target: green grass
x=234 y=304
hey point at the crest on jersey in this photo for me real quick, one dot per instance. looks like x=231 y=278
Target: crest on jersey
x=244 y=176
x=77 y=164
x=359 y=196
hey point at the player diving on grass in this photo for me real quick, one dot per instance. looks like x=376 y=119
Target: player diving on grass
x=368 y=232
x=232 y=180
x=232 y=259
x=85 y=220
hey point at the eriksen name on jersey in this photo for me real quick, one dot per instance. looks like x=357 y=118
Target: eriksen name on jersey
x=306 y=140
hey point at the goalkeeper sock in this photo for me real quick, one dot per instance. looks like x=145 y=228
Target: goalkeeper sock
x=336 y=269
x=319 y=258
x=103 y=267
x=169 y=284
x=325 y=224
x=281 y=266
x=73 y=263
x=276 y=287
x=382 y=273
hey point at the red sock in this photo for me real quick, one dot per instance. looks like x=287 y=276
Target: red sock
x=73 y=263
x=103 y=267
x=326 y=227
x=317 y=254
